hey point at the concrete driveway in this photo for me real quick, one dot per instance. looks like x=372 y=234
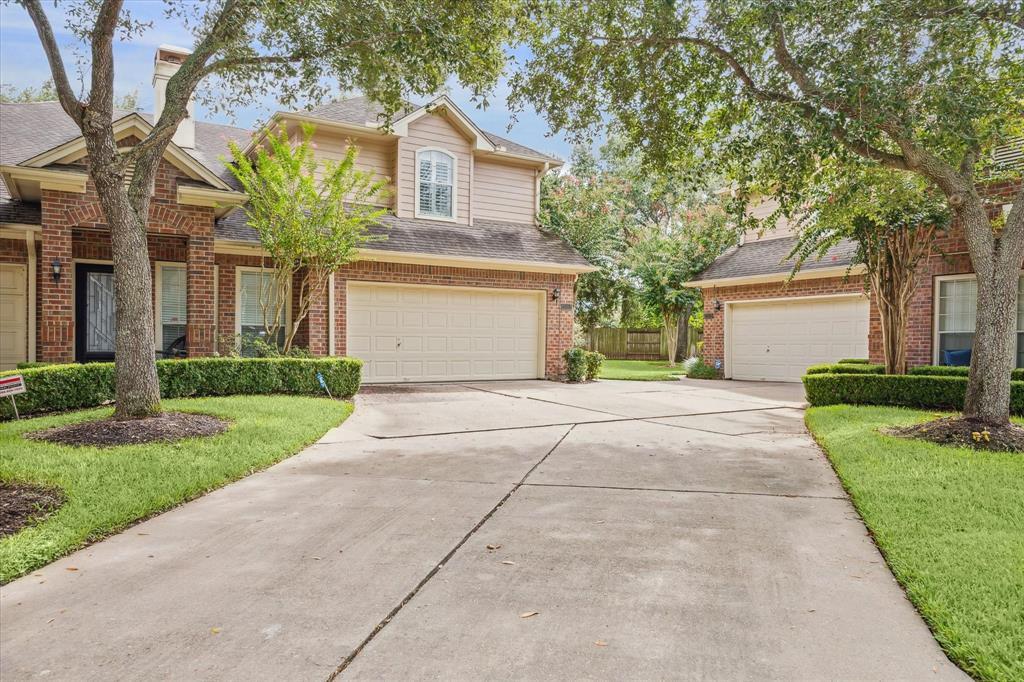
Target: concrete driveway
x=680 y=530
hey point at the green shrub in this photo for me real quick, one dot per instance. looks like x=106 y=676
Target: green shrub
x=69 y=387
x=853 y=361
x=907 y=390
x=944 y=371
x=594 y=362
x=699 y=370
x=575 y=365
x=33 y=365
x=850 y=368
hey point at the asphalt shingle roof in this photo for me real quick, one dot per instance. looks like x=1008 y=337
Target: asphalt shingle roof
x=769 y=257
x=485 y=239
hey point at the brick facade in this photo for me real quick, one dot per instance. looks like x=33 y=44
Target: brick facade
x=949 y=257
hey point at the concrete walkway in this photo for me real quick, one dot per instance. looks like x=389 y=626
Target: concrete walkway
x=679 y=530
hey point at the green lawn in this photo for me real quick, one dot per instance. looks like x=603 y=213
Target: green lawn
x=950 y=522
x=639 y=370
x=109 y=489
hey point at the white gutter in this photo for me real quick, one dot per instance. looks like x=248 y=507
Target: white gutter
x=813 y=273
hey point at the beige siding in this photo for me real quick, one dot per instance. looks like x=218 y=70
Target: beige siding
x=433 y=130
x=375 y=156
x=503 y=192
x=762 y=207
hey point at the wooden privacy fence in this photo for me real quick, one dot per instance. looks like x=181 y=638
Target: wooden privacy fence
x=617 y=343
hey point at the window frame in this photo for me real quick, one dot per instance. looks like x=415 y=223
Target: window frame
x=158 y=299
x=239 y=269
x=936 y=292
x=455 y=185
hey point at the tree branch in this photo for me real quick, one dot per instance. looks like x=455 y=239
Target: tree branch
x=65 y=94
x=101 y=89
x=1002 y=12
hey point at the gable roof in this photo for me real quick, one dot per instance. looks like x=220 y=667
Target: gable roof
x=363 y=111
x=767 y=257
x=27 y=130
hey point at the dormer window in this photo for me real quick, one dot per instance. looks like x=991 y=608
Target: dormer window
x=435 y=184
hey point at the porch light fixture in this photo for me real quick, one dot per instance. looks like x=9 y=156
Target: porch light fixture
x=56 y=269
x=718 y=305
x=556 y=293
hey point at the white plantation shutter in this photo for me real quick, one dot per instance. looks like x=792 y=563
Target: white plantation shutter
x=173 y=311
x=250 y=312
x=436 y=182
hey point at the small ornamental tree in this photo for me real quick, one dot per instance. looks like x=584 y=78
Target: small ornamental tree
x=311 y=220
x=892 y=218
x=663 y=260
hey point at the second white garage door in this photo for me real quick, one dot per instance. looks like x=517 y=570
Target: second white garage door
x=420 y=333
x=778 y=340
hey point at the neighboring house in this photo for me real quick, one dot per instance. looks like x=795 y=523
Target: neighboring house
x=761 y=325
x=465 y=286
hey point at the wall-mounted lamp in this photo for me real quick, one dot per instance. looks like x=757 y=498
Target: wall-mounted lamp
x=718 y=305
x=556 y=293
x=55 y=265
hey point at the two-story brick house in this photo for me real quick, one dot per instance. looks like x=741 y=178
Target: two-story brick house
x=465 y=285
x=761 y=323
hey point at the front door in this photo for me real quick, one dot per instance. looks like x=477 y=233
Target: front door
x=94 y=312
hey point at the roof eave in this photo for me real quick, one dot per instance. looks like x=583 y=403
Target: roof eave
x=812 y=273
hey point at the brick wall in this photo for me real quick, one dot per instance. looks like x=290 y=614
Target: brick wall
x=74 y=227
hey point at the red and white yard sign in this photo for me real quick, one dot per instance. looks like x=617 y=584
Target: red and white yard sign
x=12 y=385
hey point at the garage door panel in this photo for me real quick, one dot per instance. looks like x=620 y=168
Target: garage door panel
x=777 y=341
x=470 y=334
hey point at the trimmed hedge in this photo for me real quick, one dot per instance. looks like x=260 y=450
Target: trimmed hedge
x=908 y=390
x=944 y=371
x=853 y=361
x=68 y=387
x=582 y=364
x=846 y=368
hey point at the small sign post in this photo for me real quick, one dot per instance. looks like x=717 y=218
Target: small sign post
x=323 y=384
x=12 y=386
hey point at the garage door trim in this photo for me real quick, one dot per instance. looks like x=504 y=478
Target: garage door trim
x=540 y=294
x=727 y=324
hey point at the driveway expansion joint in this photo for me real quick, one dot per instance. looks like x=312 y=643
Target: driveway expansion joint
x=692 y=491
x=447 y=557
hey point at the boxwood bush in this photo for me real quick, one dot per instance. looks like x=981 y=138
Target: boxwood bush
x=68 y=387
x=846 y=368
x=853 y=361
x=908 y=390
x=582 y=364
x=944 y=371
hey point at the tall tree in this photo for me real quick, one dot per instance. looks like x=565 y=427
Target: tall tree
x=664 y=258
x=386 y=48
x=927 y=87
x=892 y=218
x=309 y=224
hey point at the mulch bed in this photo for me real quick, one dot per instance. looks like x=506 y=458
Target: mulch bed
x=965 y=432
x=22 y=504
x=164 y=427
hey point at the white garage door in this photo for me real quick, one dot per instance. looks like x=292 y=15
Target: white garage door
x=776 y=341
x=13 y=315
x=414 y=333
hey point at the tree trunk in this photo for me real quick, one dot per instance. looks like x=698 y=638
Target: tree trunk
x=136 y=382
x=894 y=337
x=998 y=272
x=683 y=331
x=671 y=321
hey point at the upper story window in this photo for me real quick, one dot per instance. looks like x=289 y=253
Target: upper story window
x=435 y=184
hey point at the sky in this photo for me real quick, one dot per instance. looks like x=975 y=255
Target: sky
x=23 y=64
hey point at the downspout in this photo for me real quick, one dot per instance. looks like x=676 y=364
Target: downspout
x=30 y=246
x=332 y=349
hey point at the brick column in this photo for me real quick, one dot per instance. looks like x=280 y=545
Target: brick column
x=57 y=305
x=199 y=297
x=317 y=332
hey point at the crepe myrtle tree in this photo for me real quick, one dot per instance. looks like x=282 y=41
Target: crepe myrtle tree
x=388 y=49
x=771 y=88
x=892 y=218
x=311 y=219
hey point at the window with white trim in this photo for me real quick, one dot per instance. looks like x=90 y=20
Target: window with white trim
x=173 y=313
x=250 y=311
x=435 y=184
x=957 y=309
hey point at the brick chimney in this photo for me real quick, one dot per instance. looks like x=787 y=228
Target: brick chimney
x=166 y=63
